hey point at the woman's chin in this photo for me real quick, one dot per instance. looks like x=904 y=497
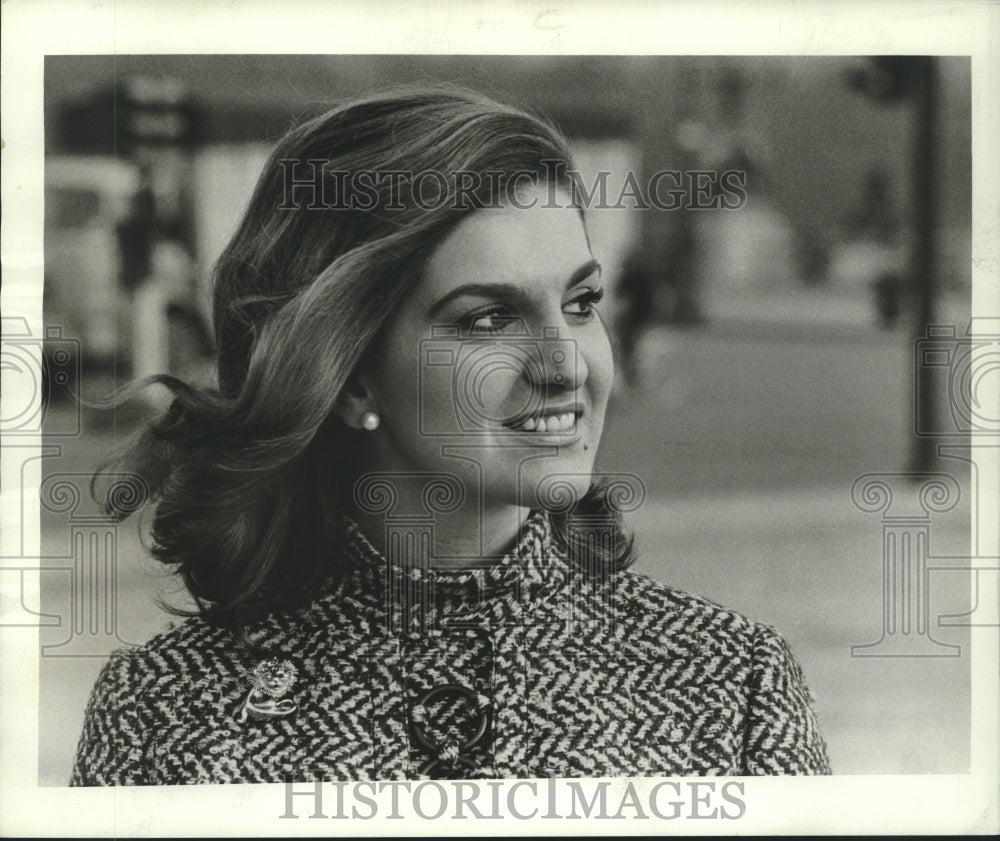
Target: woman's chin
x=557 y=484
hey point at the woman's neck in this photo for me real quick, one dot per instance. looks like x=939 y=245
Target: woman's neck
x=469 y=536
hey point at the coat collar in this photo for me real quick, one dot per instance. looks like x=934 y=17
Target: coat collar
x=529 y=577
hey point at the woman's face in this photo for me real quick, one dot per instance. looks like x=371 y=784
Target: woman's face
x=497 y=368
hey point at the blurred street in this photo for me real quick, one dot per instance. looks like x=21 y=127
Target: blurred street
x=744 y=506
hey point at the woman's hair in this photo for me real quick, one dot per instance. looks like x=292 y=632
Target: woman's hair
x=245 y=479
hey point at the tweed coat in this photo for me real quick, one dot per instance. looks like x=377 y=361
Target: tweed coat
x=527 y=668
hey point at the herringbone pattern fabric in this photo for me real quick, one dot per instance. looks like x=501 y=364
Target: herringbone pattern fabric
x=578 y=677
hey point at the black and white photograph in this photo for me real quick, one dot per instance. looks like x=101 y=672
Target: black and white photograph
x=529 y=433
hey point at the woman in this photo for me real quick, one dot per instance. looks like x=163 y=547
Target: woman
x=387 y=514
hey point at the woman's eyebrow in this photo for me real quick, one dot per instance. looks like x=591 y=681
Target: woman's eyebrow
x=508 y=290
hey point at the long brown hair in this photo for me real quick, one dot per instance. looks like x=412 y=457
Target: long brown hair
x=244 y=477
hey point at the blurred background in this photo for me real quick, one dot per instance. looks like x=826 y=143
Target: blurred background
x=766 y=355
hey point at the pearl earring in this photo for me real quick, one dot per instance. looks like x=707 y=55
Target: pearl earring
x=370 y=421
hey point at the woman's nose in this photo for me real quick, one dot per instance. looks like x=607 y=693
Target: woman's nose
x=561 y=365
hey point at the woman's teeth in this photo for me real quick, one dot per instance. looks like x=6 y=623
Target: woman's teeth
x=549 y=423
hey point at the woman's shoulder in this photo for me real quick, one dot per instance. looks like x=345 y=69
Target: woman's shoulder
x=135 y=698
x=184 y=651
x=659 y=610
x=721 y=645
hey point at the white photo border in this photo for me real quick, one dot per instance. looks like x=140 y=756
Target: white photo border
x=32 y=30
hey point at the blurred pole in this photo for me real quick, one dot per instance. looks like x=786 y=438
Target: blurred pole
x=657 y=114
x=924 y=273
x=670 y=92
x=645 y=270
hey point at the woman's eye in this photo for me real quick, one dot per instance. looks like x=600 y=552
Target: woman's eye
x=500 y=319
x=491 y=322
x=584 y=304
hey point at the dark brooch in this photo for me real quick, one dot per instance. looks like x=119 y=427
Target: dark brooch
x=272 y=679
x=448 y=755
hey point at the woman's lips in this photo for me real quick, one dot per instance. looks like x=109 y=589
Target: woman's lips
x=550 y=421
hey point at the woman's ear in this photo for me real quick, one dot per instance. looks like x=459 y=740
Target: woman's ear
x=355 y=400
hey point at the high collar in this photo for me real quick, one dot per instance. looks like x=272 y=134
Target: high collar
x=525 y=580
